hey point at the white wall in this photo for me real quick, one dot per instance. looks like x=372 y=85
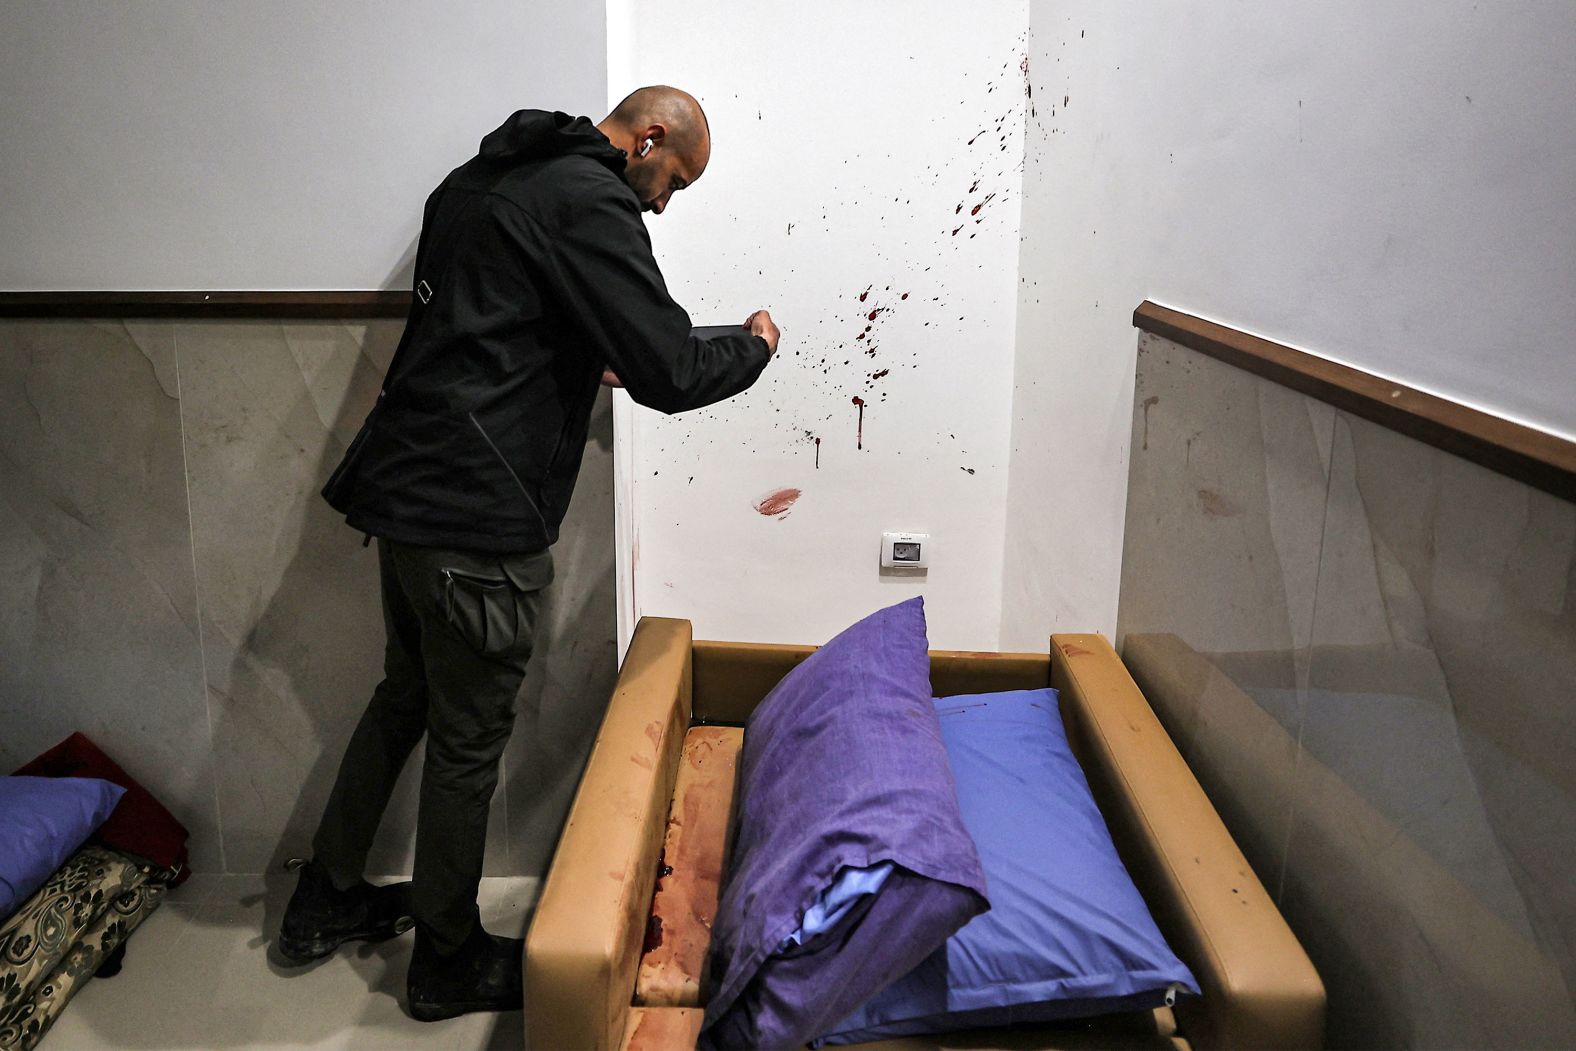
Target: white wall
x=621 y=51
x=1387 y=185
x=271 y=144
x=852 y=123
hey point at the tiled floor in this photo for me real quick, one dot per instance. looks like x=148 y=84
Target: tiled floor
x=197 y=975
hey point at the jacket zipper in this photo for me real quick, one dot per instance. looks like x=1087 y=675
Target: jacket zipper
x=521 y=485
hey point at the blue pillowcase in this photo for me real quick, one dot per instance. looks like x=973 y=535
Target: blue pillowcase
x=1068 y=934
x=43 y=820
x=848 y=889
x=842 y=771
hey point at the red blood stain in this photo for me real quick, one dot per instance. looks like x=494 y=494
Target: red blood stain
x=955 y=231
x=976 y=209
x=905 y=295
x=860 y=336
x=818 y=454
x=958 y=209
x=865 y=293
x=872 y=315
x=861 y=403
x=663 y=869
x=975 y=187
x=878 y=375
x=653 y=935
x=777 y=502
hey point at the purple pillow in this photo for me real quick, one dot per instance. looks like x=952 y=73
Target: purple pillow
x=43 y=820
x=843 y=768
x=1068 y=935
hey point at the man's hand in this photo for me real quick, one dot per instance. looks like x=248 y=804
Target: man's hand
x=610 y=379
x=760 y=324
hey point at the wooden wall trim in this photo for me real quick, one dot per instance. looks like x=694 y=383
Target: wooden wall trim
x=1540 y=459
x=199 y=304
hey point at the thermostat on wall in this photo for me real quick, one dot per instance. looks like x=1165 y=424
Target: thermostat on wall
x=905 y=550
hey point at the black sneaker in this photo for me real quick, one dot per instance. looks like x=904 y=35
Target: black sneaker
x=484 y=975
x=320 y=918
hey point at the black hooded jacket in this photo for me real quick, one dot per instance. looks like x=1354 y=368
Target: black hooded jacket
x=533 y=273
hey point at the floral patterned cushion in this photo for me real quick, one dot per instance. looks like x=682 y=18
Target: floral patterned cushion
x=37 y=938
x=24 y=1024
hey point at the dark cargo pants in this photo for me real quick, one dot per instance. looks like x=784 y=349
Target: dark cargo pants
x=460 y=628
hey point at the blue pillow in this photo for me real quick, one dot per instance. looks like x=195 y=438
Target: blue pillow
x=1067 y=935
x=43 y=820
x=851 y=863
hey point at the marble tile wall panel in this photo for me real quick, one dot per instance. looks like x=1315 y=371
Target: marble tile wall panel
x=292 y=628
x=231 y=688
x=98 y=612
x=1410 y=693
x=1225 y=507
x=291 y=624
x=573 y=668
x=1436 y=792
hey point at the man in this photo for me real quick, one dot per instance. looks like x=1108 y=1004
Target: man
x=534 y=283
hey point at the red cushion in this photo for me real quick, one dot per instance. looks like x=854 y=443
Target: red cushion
x=139 y=824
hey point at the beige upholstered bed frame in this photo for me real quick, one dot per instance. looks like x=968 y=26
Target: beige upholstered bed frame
x=611 y=965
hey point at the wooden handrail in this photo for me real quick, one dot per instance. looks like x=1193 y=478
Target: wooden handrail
x=358 y=303
x=1538 y=458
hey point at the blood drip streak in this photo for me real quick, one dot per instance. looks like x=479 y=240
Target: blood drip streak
x=861 y=403
x=818 y=454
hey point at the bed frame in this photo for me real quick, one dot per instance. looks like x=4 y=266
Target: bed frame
x=609 y=964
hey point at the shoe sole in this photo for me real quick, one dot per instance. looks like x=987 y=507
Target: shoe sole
x=299 y=953
x=431 y=1012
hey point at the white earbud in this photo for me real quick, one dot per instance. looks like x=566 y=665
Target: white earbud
x=645 y=148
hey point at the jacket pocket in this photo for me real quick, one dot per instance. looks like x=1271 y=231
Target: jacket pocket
x=533 y=502
x=483 y=609
x=571 y=437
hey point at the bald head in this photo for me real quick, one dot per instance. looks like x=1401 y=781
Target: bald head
x=676 y=111
x=675 y=127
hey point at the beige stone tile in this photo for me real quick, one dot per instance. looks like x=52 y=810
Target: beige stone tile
x=1220 y=564
x=1434 y=800
x=1244 y=757
x=573 y=667
x=1366 y=648
x=98 y=615
x=1225 y=508
x=292 y=628
x=1410 y=955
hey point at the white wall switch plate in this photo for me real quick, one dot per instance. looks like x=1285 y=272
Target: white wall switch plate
x=905 y=550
